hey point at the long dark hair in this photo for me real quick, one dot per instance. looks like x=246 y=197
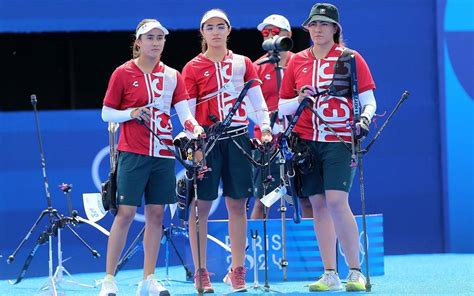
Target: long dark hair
x=338 y=38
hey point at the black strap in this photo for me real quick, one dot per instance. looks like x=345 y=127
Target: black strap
x=212 y=139
x=355 y=89
x=341 y=83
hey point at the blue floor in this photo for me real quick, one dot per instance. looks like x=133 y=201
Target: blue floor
x=439 y=274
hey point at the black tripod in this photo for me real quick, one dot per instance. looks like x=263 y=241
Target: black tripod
x=274 y=58
x=56 y=223
x=167 y=239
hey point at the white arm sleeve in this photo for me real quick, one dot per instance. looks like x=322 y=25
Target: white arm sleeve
x=368 y=104
x=192 y=106
x=184 y=114
x=250 y=111
x=260 y=107
x=114 y=115
x=288 y=106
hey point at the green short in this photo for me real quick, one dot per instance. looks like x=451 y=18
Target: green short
x=332 y=169
x=226 y=161
x=138 y=174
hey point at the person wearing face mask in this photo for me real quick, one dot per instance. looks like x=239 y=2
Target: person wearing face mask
x=272 y=26
x=214 y=79
x=142 y=91
x=328 y=183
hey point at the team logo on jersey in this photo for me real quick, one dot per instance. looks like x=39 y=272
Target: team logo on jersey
x=206 y=73
x=227 y=98
x=267 y=76
x=305 y=70
x=157 y=84
x=135 y=83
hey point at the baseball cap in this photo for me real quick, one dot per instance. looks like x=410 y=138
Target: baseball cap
x=148 y=26
x=214 y=13
x=325 y=12
x=275 y=20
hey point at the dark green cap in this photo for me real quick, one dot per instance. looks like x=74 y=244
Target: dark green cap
x=324 y=12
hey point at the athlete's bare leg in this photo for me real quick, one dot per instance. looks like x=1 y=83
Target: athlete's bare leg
x=237 y=229
x=118 y=236
x=152 y=237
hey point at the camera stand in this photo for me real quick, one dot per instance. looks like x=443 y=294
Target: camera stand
x=56 y=222
x=275 y=58
x=58 y=277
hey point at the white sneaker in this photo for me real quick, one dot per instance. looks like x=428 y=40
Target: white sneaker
x=236 y=279
x=109 y=287
x=329 y=281
x=355 y=281
x=226 y=279
x=151 y=287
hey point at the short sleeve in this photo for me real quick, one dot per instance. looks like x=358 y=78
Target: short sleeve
x=288 y=85
x=258 y=69
x=189 y=80
x=250 y=71
x=115 y=90
x=364 y=77
x=180 y=93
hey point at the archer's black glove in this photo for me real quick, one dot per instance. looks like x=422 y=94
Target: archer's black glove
x=214 y=130
x=361 y=128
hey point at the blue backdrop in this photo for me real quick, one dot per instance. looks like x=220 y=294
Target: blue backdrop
x=455 y=43
x=419 y=174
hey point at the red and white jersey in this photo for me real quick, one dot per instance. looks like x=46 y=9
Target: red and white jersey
x=216 y=86
x=304 y=69
x=267 y=74
x=128 y=88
